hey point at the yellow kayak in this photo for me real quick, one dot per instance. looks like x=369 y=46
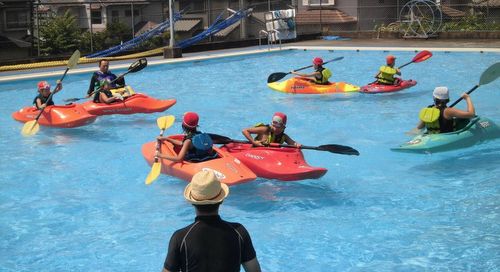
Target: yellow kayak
x=299 y=85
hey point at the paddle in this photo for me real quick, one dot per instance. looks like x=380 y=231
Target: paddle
x=30 y=128
x=277 y=76
x=489 y=75
x=421 y=56
x=332 y=148
x=136 y=66
x=163 y=123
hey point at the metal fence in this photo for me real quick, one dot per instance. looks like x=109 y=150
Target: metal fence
x=102 y=24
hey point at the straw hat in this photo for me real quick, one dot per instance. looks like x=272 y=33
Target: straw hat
x=205 y=189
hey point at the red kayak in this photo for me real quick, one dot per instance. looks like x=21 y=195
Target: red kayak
x=381 y=88
x=137 y=103
x=67 y=116
x=285 y=164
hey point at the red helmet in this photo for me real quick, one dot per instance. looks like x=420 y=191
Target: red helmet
x=390 y=59
x=318 y=61
x=279 y=119
x=42 y=85
x=190 y=119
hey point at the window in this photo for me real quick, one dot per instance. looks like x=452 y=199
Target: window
x=16 y=19
x=318 y=2
x=128 y=13
x=115 y=16
x=96 y=16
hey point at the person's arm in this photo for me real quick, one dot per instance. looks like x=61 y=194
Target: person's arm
x=58 y=87
x=252 y=265
x=39 y=104
x=93 y=81
x=168 y=139
x=452 y=112
x=105 y=99
x=305 y=75
x=290 y=141
x=398 y=72
x=180 y=156
x=254 y=130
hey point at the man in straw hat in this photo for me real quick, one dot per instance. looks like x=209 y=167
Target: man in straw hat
x=210 y=243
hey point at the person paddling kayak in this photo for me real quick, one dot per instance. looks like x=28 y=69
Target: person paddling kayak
x=320 y=74
x=439 y=118
x=387 y=72
x=271 y=133
x=101 y=75
x=196 y=146
x=42 y=99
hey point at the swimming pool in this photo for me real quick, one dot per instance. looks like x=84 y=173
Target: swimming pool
x=75 y=199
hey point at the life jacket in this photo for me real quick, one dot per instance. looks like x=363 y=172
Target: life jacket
x=201 y=147
x=43 y=100
x=434 y=121
x=271 y=137
x=324 y=75
x=386 y=75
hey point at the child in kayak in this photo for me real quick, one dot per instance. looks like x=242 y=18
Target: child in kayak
x=320 y=74
x=195 y=147
x=42 y=99
x=268 y=134
x=104 y=95
x=386 y=73
x=438 y=118
x=104 y=74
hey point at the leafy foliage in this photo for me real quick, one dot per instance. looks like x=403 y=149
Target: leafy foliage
x=60 y=34
x=471 y=23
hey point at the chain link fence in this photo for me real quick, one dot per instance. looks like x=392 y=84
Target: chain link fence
x=27 y=26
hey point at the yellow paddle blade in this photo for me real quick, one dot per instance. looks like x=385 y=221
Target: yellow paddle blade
x=30 y=128
x=155 y=172
x=165 y=122
x=73 y=60
x=429 y=115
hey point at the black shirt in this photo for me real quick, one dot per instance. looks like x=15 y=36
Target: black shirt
x=209 y=244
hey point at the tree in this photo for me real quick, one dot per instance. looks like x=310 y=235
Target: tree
x=60 y=34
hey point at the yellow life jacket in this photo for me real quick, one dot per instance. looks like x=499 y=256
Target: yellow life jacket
x=325 y=75
x=434 y=120
x=386 y=74
x=271 y=137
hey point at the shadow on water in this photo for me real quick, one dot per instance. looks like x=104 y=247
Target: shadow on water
x=272 y=195
x=476 y=160
x=57 y=136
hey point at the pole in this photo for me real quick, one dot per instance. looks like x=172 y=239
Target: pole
x=171 y=15
x=91 y=31
x=133 y=22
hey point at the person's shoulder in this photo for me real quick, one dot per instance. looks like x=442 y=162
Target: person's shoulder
x=182 y=231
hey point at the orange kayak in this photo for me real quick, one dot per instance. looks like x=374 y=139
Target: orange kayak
x=66 y=116
x=226 y=167
x=300 y=85
x=137 y=103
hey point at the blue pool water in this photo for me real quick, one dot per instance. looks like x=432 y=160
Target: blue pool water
x=75 y=199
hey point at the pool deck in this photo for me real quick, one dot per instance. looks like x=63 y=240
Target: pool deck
x=490 y=45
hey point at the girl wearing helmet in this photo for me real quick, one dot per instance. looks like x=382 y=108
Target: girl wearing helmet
x=195 y=147
x=272 y=133
x=42 y=99
x=320 y=74
x=386 y=73
x=439 y=118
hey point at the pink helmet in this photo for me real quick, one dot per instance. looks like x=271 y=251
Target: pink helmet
x=318 y=61
x=190 y=119
x=279 y=119
x=42 y=85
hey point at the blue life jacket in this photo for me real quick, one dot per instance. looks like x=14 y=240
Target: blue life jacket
x=202 y=148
